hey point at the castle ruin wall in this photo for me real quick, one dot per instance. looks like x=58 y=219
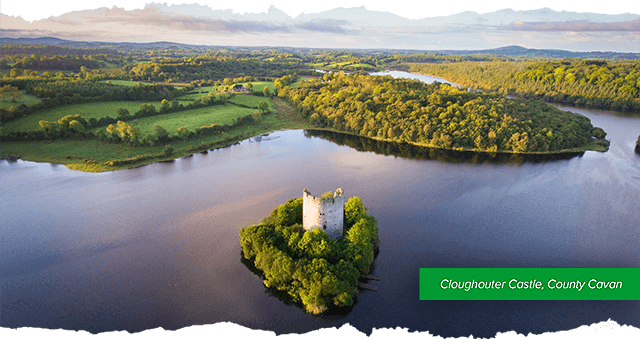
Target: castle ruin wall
x=324 y=213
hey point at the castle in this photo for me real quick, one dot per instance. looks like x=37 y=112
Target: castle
x=326 y=213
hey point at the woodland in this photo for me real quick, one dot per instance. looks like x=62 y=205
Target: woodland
x=439 y=115
x=602 y=84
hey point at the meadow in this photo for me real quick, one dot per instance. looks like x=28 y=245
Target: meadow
x=127 y=83
x=99 y=110
x=89 y=110
x=97 y=155
x=90 y=155
x=250 y=100
x=23 y=100
x=190 y=119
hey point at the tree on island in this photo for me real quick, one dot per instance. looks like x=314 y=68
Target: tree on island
x=311 y=267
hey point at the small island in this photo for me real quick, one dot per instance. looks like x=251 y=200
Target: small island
x=638 y=145
x=314 y=249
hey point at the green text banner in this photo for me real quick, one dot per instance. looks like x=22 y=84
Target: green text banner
x=530 y=284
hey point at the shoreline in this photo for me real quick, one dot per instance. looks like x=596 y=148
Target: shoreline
x=467 y=150
x=91 y=166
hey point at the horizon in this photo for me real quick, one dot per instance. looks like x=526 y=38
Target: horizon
x=541 y=28
x=327 y=48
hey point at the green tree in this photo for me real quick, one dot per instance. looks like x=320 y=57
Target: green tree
x=8 y=91
x=161 y=133
x=77 y=127
x=14 y=73
x=123 y=113
x=167 y=151
x=127 y=132
x=165 y=106
x=263 y=106
x=112 y=133
x=598 y=133
x=183 y=133
x=354 y=210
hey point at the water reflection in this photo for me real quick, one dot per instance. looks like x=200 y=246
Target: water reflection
x=263 y=137
x=409 y=151
x=334 y=313
x=424 y=78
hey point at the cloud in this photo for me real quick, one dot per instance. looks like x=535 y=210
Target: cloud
x=150 y=24
x=152 y=17
x=577 y=26
x=327 y=26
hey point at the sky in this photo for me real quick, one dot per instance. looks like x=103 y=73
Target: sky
x=355 y=27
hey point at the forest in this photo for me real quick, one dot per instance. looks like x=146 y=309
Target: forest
x=439 y=115
x=602 y=84
x=314 y=270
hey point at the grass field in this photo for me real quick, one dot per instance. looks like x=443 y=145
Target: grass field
x=126 y=83
x=217 y=114
x=251 y=100
x=297 y=83
x=102 y=109
x=89 y=155
x=24 y=99
x=90 y=110
x=199 y=93
x=260 y=85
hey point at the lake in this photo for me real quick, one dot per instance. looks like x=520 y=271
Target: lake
x=158 y=246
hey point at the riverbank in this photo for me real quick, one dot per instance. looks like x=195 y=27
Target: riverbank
x=50 y=152
x=593 y=146
x=95 y=156
x=89 y=155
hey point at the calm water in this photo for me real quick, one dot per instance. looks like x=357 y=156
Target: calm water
x=158 y=246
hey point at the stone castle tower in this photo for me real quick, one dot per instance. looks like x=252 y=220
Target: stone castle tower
x=326 y=213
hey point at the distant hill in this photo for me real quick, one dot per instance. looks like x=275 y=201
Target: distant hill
x=91 y=44
x=508 y=51
x=518 y=51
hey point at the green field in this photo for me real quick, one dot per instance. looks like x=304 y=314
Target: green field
x=217 y=114
x=90 y=155
x=297 y=83
x=102 y=109
x=260 y=85
x=257 y=86
x=24 y=99
x=126 y=83
x=130 y=83
x=198 y=93
x=90 y=110
x=251 y=100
